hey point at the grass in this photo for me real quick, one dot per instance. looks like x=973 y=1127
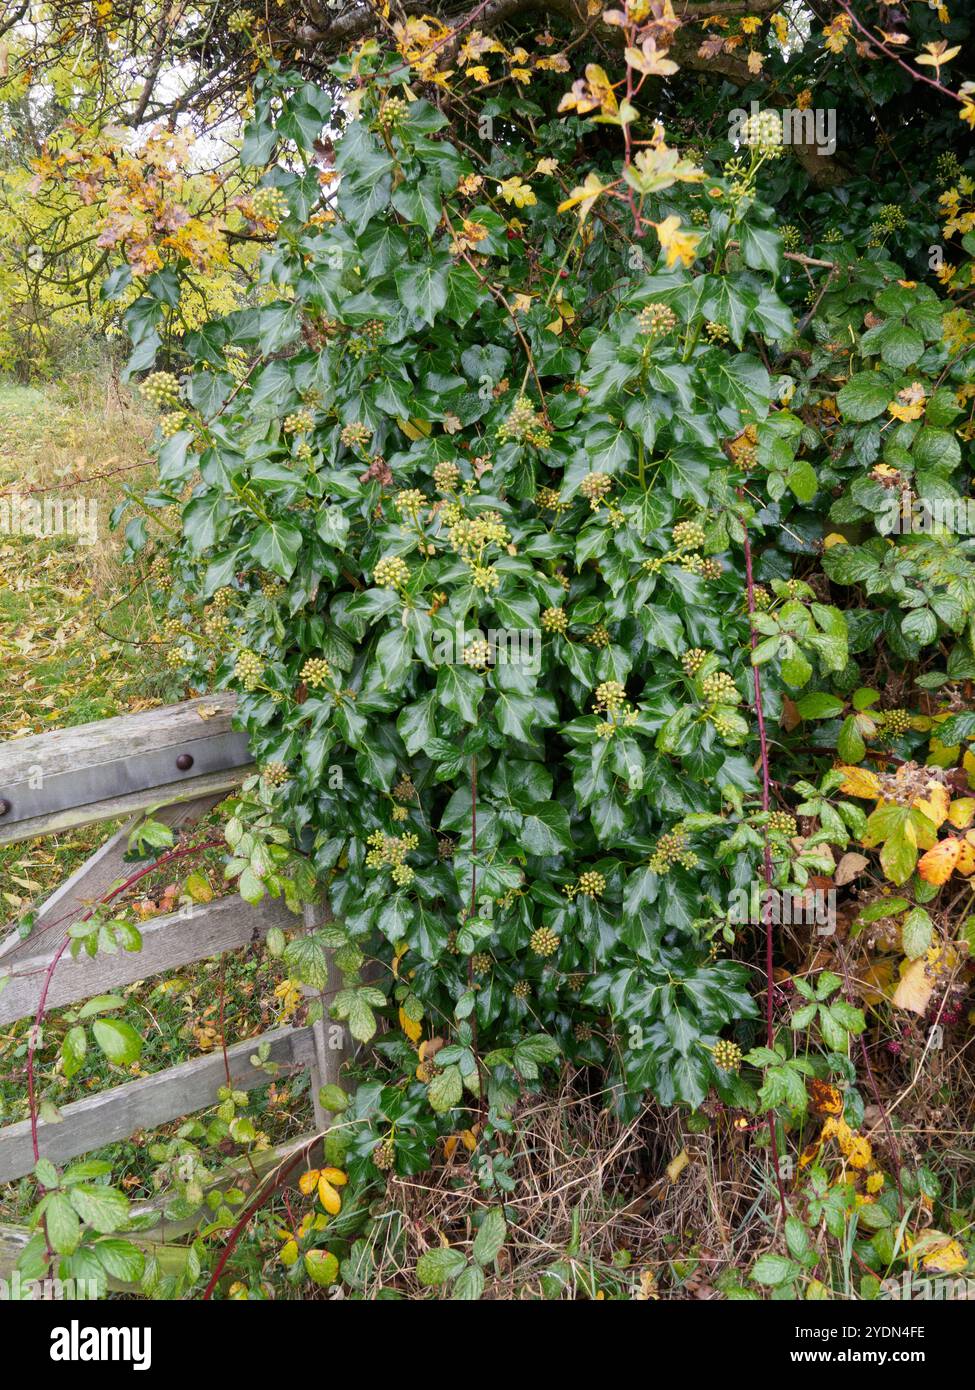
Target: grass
x=72 y=630
x=69 y=627
x=77 y=635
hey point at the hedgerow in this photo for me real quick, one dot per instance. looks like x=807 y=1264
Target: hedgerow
x=550 y=529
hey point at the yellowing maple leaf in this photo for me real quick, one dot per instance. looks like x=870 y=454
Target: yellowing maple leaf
x=937 y=54
x=584 y=195
x=591 y=92
x=650 y=60
x=659 y=166
x=677 y=243
x=515 y=190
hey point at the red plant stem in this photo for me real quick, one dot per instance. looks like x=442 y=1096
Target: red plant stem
x=49 y=972
x=470 y=961
x=767 y=855
x=895 y=57
x=238 y=1229
x=32 y=1044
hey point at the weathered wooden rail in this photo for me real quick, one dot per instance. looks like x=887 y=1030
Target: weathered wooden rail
x=177 y=762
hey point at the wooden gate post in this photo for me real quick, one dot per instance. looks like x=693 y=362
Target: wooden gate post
x=326 y=1069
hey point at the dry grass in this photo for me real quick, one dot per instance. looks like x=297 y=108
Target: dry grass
x=593 y=1212
x=69 y=627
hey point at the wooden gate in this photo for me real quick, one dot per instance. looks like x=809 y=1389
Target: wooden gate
x=178 y=762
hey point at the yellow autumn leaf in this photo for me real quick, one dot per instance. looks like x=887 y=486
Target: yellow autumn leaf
x=677 y=243
x=601 y=86
x=516 y=191
x=308 y=1181
x=650 y=60
x=876 y=980
x=857 y=1151
x=584 y=195
x=810 y=1153
x=937 y=54
x=834 y=538
x=914 y=989
x=860 y=781
x=968 y=763
x=327 y=1194
x=677 y=1165
x=961 y=812
x=917 y=984
x=938 y=1252
x=948 y=1258
x=412 y=1029
x=935 y=805
x=198 y=888
x=288 y=1253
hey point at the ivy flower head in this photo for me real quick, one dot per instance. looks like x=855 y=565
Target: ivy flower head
x=763 y=132
x=392 y=572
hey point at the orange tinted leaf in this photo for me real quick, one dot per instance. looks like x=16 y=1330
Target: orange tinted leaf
x=827 y=1099
x=937 y=865
x=966 y=857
